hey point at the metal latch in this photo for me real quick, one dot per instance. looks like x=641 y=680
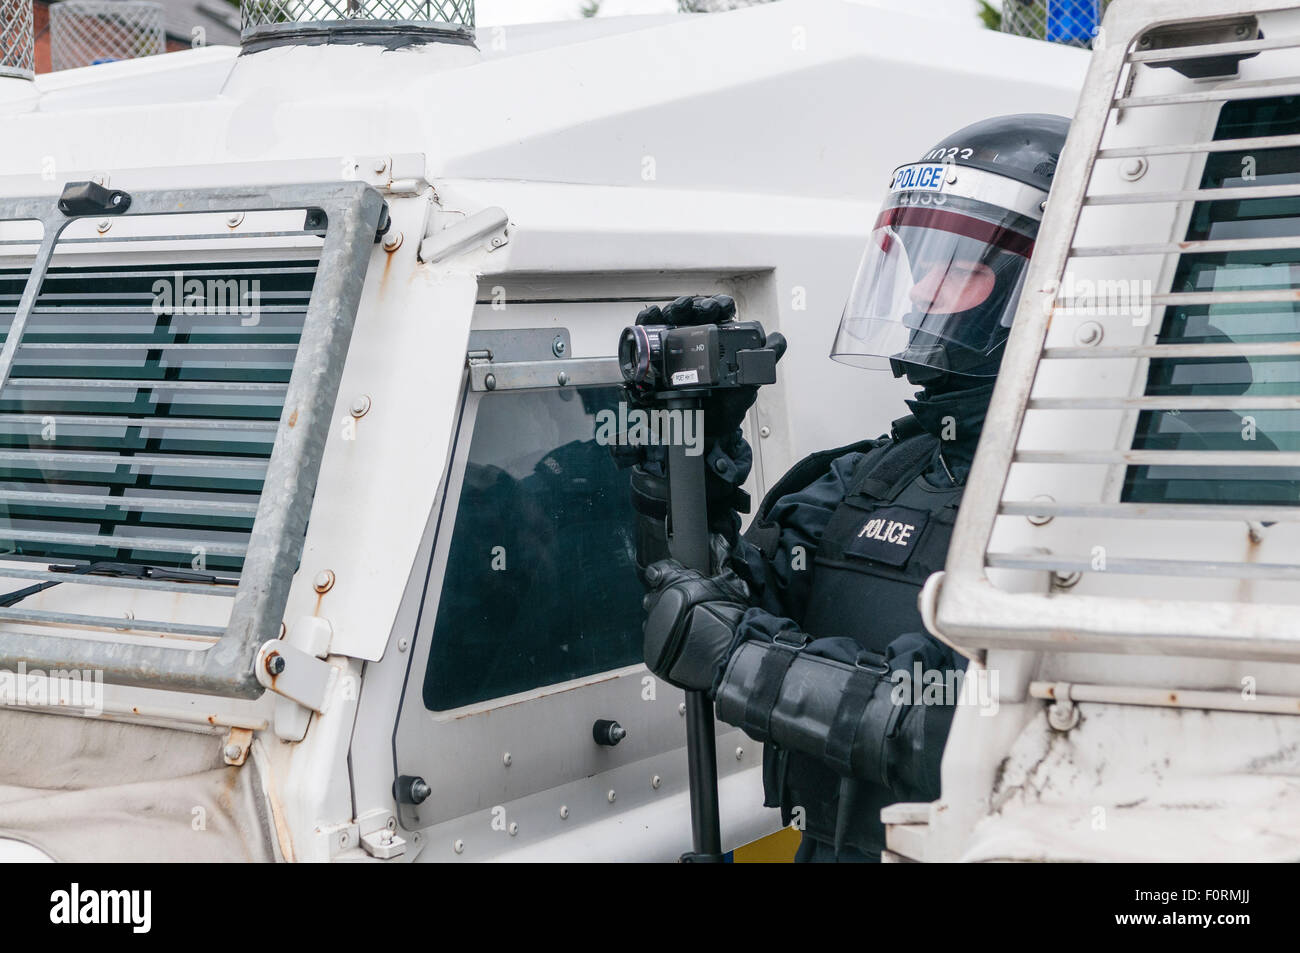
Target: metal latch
x=522 y=358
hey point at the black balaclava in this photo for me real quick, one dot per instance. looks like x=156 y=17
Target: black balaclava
x=953 y=409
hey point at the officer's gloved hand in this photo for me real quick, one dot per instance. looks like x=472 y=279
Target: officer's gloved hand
x=725 y=408
x=691 y=620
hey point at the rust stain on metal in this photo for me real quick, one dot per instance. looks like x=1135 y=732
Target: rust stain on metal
x=1173 y=698
x=293 y=419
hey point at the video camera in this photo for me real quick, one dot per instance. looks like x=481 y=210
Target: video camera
x=656 y=357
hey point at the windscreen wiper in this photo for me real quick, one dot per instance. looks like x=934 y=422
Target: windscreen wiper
x=126 y=570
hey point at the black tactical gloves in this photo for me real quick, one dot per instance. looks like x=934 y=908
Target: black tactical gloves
x=725 y=408
x=728 y=458
x=691 y=620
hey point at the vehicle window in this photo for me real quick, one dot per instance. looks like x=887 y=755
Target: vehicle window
x=1246 y=430
x=136 y=433
x=541 y=583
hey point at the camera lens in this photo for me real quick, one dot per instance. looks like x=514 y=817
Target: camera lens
x=638 y=348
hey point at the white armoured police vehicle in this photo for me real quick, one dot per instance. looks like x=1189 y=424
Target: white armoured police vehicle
x=310 y=551
x=1125 y=565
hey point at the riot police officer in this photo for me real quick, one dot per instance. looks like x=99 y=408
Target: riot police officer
x=809 y=617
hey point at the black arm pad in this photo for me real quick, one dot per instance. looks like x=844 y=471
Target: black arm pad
x=841 y=714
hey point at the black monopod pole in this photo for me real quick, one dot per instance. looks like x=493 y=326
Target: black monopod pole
x=689 y=545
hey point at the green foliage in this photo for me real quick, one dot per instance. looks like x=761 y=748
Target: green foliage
x=591 y=8
x=989 y=15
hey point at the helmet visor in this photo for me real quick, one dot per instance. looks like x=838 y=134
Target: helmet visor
x=938 y=286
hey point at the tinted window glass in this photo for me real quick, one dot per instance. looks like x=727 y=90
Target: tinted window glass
x=1247 y=430
x=541 y=582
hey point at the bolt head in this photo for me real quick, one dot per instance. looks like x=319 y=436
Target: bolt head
x=380 y=165
x=507 y=759
x=393 y=241
x=562 y=378
x=490 y=382
x=103 y=226
x=740 y=754
x=513 y=828
x=232 y=752
x=681 y=708
x=324 y=581
x=564 y=812
x=656 y=781
x=360 y=405
x=275 y=664
x=235 y=220
x=610 y=796
x=458 y=846
x=558 y=347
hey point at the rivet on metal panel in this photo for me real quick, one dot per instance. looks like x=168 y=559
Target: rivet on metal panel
x=564 y=812
x=513 y=828
x=1134 y=169
x=403 y=644
x=392 y=241
x=562 y=378
x=103 y=226
x=765 y=432
x=681 y=709
x=740 y=754
x=656 y=781
x=1089 y=333
x=490 y=382
x=1066 y=580
x=324 y=581
x=235 y=220
x=458 y=846
x=506 y=759
x=360 y=406
x=610 y=796
x=1040 y=519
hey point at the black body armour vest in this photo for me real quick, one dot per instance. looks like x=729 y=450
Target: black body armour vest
x=888 y=535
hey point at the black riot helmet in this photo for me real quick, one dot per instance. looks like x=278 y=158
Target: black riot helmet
x=939 y=283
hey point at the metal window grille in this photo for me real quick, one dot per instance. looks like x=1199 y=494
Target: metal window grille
x=1029 y=466
x=1072 y=22
x=17 y=40
x=144 y=408
x=262 y=16
x=86 y=32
